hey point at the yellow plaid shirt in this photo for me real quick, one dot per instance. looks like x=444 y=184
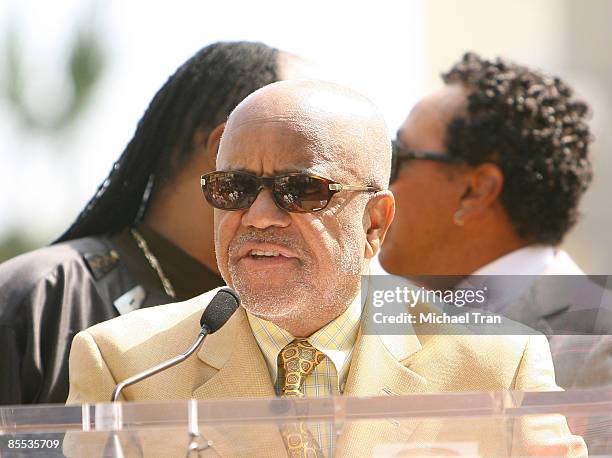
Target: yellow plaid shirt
x=336 y=340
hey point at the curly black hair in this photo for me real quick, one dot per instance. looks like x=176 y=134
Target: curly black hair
x=528 y=124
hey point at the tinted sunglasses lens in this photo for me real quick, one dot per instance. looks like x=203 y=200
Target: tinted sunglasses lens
x=230 y=190
x=302 y=193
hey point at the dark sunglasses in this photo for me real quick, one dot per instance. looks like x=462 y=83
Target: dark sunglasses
x=401 y=154
x=293 y=192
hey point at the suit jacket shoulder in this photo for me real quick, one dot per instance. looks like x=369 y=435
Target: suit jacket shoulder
x=525 y=364
x=174 y=319
x=112 y=351
x=18 y=276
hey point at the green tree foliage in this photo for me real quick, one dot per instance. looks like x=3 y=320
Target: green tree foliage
x=84 y=68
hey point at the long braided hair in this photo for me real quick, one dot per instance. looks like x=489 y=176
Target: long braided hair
x=198 y=97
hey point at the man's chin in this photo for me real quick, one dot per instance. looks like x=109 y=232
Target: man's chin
x=276 y=311
x=266 y=287
x=269 y=300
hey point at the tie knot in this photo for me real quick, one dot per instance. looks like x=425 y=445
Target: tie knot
x=299 y=359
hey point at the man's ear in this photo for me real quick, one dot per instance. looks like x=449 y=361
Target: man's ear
x=212 y=144
x=485 y=184
x=377 y=219
x=207 y=148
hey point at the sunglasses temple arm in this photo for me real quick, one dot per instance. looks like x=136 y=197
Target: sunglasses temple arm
x=350 y=187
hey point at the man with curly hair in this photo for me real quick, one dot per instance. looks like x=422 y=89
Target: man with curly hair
x=488 y=174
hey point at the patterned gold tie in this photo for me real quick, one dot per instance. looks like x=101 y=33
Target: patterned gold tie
x=299 y=359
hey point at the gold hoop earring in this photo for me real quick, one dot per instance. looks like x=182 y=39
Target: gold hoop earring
x=458 y=217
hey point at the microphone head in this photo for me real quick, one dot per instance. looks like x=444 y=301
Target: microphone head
x=220 y=309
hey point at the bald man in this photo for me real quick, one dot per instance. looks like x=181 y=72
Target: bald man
x=301 y=207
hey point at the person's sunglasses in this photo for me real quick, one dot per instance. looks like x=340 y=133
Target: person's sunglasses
x=293 y=192
x=400 y=154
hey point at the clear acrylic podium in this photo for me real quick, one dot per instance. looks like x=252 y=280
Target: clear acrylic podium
x=461 y=424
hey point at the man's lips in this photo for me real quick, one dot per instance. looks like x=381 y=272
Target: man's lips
x=263 y=249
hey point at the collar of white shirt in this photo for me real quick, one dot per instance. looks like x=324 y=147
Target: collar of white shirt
x=529 y=260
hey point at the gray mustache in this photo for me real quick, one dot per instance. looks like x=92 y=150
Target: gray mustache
x=269 y=237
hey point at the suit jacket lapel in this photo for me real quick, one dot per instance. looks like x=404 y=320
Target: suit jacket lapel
x=377 y=370
x=242 y=372
x=235 y=353
x=376 y=365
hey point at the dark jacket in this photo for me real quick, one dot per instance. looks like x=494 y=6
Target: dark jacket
x=48 y=295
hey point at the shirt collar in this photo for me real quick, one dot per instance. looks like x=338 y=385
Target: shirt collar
x=529 y=260
x=336 y=339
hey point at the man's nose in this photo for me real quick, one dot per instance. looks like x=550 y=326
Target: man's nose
x=264 y=213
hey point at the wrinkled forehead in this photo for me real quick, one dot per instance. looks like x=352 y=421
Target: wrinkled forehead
x=270 y=144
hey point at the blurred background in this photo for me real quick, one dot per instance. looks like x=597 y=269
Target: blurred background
x=76 y=76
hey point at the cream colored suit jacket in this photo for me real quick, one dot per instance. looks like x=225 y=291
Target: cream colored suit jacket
x=229 y=365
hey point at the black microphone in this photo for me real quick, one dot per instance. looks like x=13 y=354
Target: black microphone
x=219 y=310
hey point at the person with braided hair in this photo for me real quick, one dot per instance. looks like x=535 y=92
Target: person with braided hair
x=488 y=173
x=143 y=239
